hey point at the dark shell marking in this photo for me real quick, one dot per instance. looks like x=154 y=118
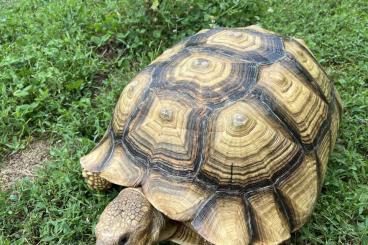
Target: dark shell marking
x=242 y=116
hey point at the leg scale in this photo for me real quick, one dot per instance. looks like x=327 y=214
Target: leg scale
x=95 y=182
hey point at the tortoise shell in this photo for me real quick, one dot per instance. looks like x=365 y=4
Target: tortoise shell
x=230 y=130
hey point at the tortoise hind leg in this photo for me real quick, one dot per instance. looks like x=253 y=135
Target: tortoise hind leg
x=95 y=181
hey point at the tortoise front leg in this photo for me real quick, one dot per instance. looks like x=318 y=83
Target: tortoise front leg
x=94 y=181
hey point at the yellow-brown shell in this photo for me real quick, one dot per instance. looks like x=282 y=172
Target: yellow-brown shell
x=230 y=130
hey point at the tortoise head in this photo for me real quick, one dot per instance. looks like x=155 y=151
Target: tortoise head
x=129 y=219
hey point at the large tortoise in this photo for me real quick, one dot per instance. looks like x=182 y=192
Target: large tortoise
x=223 y=139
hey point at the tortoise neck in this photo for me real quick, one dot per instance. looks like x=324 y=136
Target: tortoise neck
x=169 y=227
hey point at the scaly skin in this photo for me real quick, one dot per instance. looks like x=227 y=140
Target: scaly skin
x=131 y=220
x=95 y=182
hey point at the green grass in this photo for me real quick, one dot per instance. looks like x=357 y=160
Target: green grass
x=63 y=64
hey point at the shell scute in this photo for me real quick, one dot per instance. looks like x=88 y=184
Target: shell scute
x=309 y=63
x=297 y=103
x=210 y=78
x=245 y=147
x=271 y=224
x=178 y=198
x=128 y=100
x=299 y=190
x=165 y=131
x=223 y=220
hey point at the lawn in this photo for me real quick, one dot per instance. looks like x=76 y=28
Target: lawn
x=64 y=63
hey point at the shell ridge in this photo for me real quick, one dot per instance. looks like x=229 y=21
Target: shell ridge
x=319 y=171
x=284 y=207
x=274 y=112
x=251 y=222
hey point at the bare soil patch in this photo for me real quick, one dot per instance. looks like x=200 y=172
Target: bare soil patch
x=24 y=163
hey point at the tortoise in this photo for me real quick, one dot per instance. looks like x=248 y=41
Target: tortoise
x=223 y=139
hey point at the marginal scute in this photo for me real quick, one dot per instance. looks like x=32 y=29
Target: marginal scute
x=178 y=199
x=246 y=146
x=128 y=100
x=258 y=29
x=121 y=170
x=299 y=191
x=168 y=53
x=203 y=31
x=109 y=161
x=323 y=152
x=166 y=130
x=307 y=61
x=338 y=102
x=297 y=102
x=304 y=44
x=271 y=224
x=95 y=160
x=335 y=121
x=224 y=221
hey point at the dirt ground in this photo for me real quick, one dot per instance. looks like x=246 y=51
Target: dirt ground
x=24 y=163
